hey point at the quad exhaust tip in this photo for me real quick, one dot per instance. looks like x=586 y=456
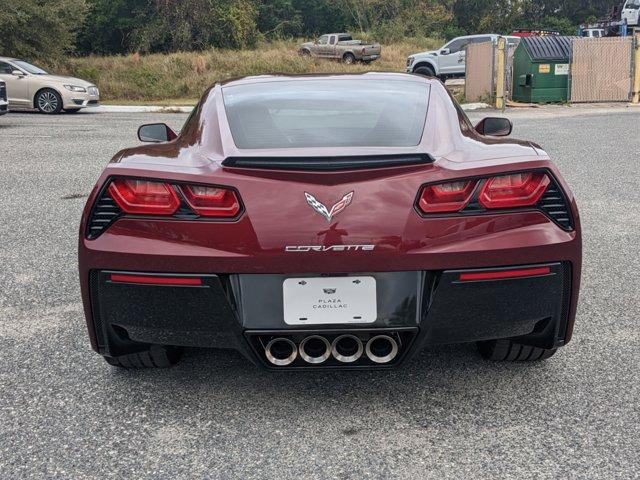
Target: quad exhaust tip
x=381 y=349
x=315 y=349
x=281 y=352
x=347 y=348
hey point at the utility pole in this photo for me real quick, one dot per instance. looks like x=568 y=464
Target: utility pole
x=635 y=98
x=500 y=73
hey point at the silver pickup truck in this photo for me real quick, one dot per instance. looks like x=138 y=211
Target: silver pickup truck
x=341 y=46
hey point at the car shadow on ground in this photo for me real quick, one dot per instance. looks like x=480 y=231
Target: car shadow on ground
x=442 y=377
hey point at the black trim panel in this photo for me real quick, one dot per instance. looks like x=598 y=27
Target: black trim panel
x=329 y=163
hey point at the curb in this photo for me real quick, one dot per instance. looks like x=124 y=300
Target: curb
x=142 y=109
x=475 y=106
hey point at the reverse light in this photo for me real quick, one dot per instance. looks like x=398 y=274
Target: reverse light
x=446 y=197
x=144 y=197
x=513 y=190
x=211 y=201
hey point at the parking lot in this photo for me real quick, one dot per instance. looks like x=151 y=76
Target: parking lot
x=64 y=413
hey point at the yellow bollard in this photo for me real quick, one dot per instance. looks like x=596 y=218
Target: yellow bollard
x=500 y=73
x=635 y=99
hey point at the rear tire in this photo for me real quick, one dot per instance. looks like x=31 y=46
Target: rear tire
x=425 y=71
x=505 y=350
x=157 y=356
x=48 y=101
x=349 y=58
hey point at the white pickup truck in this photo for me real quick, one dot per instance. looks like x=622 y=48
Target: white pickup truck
x=631 y=12
x=449 y=60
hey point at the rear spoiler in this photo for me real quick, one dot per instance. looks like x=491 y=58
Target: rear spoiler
x=324 y=164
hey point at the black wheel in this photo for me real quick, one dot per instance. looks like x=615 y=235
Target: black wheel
x=349 y=58
x=48 y=101
x=506 y=350
x=426 y=71
x=305 y=53
x=158 y=356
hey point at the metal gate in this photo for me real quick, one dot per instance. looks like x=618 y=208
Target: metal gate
x=601 y=69
x=478 y=85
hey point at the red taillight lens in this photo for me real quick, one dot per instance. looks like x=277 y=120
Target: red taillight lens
x=504 y=274
x=514 y=190
x=144 y=197
x=446 y=197
x=155 y=280
x=211 y=201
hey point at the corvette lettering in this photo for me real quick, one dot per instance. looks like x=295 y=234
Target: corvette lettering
x=331 y=248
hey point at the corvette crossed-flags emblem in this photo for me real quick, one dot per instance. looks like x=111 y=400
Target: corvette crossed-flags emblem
x=323 y=210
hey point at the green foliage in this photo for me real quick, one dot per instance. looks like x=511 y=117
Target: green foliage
x=503 y=16
x=279 y=18
x=36 y=29
x=111 y=24
x=47 y=29
x=197 y=25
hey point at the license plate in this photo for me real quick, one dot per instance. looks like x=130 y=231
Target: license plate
x=329 y=300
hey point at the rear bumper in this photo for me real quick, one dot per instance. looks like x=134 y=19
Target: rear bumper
x=421 y=307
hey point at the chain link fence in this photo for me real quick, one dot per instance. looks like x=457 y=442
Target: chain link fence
x=601 y=69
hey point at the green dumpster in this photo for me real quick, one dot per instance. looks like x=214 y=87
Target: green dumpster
x=541 y=69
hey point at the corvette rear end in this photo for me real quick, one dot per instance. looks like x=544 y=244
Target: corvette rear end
x=329 y=222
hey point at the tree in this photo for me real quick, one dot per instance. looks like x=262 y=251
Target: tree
x=196 y=25
x=110 y=25
x=279 y=18
x=40 y=29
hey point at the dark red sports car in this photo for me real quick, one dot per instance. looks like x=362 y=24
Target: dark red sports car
x=329 y=221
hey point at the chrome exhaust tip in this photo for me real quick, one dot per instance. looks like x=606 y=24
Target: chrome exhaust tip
x=347 y=348
x=281 y=352
x=315 y=349
x=381 y=349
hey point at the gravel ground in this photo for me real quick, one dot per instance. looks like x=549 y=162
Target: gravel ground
x=64 y=413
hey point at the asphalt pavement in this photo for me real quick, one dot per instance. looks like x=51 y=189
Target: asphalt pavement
x=66 y=414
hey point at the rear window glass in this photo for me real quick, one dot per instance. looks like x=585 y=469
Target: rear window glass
x=323 y=113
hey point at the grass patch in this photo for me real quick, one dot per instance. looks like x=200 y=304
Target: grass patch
x=181 y=78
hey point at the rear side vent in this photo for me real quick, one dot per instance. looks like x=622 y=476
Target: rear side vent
x=555 y=206
x=104 y=213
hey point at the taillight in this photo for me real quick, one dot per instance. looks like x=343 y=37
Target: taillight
x=144 y=197
x=513 y=190
x=211 y=201
x=446 y=197
x=474 y=196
